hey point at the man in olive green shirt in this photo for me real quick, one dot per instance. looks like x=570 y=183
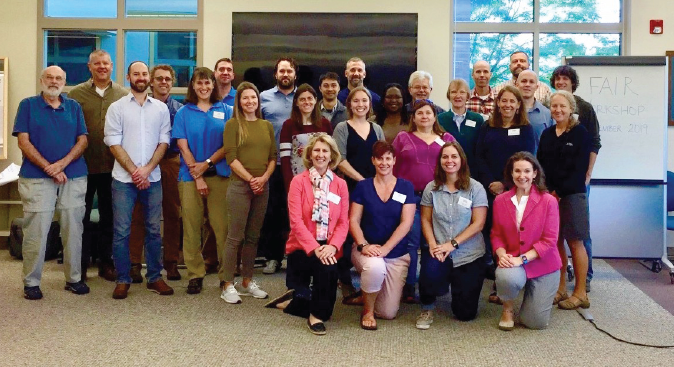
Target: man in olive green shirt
x=95 y=96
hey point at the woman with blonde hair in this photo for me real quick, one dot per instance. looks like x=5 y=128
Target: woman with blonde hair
x=318 y=207
x=250 y=149
x=564 y=153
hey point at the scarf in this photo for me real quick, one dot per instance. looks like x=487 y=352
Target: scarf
x=320 y=212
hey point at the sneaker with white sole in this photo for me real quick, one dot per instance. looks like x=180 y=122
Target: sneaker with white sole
x=272 y=267
x=425 y=319
x=230 y=295
x=252 y=290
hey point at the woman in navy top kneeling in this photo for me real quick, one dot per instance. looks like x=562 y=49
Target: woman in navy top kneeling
x=381 y=216
x=453 y=212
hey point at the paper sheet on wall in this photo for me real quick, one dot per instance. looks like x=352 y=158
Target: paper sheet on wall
x=10 y=174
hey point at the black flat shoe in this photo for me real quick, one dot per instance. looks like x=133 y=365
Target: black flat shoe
x=288 y=295
x=317 y=328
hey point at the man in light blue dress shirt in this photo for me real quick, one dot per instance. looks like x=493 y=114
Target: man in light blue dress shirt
x=539 y=115
x=137 y=130
x=276 y=104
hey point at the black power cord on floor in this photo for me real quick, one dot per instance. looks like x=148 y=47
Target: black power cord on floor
x=587 y=316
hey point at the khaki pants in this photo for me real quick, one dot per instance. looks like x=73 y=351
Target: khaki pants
x=193 y=209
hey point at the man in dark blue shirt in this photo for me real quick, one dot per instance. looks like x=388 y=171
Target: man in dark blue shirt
x=355 y=73
x=52 y=137
x=224 y=74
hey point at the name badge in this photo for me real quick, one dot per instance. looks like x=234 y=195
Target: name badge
x=465 y=202
x=440 y=141
x=219 y=115
x=470 y=123
x=334 y=198
x=399 y=197
x=513 y=132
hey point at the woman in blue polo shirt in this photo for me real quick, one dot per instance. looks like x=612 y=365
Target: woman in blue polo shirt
x=453 y=212
x=204 y=173
x=382 y=213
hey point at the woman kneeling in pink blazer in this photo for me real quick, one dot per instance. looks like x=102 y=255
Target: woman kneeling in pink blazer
x=318 y=207
x=524 y=238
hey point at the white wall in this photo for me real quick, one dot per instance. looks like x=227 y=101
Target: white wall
x=645 y=44
x=19 y=44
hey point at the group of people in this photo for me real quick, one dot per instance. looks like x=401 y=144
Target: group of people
x=491 y=188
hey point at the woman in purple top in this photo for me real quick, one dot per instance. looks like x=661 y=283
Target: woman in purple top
x=418 y=150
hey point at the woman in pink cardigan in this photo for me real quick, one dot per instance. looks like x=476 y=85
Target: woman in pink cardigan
x=524 y=239
x=318 y=207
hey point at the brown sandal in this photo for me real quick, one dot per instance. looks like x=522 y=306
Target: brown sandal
x=559 y=297
x=574 y=302
x=355 y=299
x=367 y=327
x=493 y=298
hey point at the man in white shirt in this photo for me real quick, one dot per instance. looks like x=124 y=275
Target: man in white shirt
x=137 y=130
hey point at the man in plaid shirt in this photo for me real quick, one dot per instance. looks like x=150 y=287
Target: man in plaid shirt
x=482 y=98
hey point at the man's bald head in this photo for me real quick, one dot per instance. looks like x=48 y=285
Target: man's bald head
x=481 y=74
x=52 y=79
x=527 y=83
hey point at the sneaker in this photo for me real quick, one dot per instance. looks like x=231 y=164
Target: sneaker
x=252 y=290
x=160 y=287
x=77 y=288
x=425 y=320
x=230 y=295
x=272 y=267
x=195 y=285
x=32 y=293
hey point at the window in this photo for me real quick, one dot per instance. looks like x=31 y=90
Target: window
x=547 y=30
x=80 y=8
x=177 y=49
x=71 y=29
x=161 y=8
x=70 y=50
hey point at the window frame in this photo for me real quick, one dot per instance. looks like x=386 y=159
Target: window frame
x=538 y=28
x=121 y=24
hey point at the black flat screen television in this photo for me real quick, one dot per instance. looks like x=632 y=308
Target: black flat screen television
x=322 y=42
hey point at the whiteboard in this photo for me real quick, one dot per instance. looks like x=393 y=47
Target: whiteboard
x=629 y=95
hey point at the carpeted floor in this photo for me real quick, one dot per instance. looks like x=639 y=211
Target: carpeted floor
x=182 y=330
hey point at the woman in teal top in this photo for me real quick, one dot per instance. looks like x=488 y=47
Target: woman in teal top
x=204 y=172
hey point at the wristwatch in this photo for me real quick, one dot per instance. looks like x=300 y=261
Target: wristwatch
x=210 y=163
x=361 y=246
x=524 y=259
x=454 y=243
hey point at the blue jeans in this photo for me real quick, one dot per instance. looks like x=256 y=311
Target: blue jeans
x=124 y=196
x=588 y=244
x=415 y=240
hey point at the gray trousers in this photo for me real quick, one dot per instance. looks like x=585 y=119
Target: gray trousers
x=538 y=294
x=40 y=197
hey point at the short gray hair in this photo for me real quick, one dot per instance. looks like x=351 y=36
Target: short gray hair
x=420 y=74
x=99 y=52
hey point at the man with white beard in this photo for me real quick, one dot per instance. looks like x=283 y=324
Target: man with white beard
x=52 y=137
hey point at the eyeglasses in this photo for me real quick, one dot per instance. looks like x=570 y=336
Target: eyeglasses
x=423 y=88
x=161 y=79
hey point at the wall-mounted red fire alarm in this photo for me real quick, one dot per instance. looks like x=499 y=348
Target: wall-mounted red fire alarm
x=656 y=26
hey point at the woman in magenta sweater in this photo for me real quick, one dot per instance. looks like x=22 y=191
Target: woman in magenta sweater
x=318 y=207
x=417 y=152
x=524 y=239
